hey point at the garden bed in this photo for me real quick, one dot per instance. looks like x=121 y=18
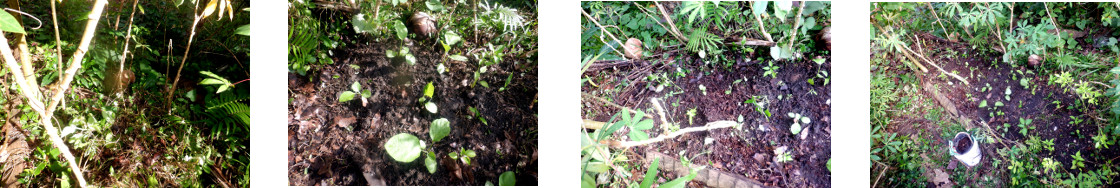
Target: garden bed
x=731 y=150
x=333 y=143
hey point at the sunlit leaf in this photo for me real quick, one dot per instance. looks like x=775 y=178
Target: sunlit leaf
x=243 y=30
x=210 y=8
x=9 y=23
x=403 y=147
x=431 y=107
x=346 y=96
x=439 y=129
x=507 y=179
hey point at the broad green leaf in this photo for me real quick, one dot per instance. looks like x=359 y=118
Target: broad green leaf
x=484 y=84
x=403 y=147
x=637 y=135
x=679 y=182
x=795 y=128
x=469 y=153
x=429 y=90
x=451 y=37
x=644 y=125
x=391 y=53
x=346 y=96
x=211 y=81
x=439 y=129
x=651 y=174
x=402 y=30
x=435 y=6
x=410 y=59
x=365 y=93
x=355 y=87
x=430 y=163
x=453 y=155
x=507 y=179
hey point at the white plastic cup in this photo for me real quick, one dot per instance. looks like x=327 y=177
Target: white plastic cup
x=970 y=157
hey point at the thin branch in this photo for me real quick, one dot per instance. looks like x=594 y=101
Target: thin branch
x=675 y=31
x=179 y=74
x=761 y=25
x=795 y=25
x=127 y=40
x=660 y=112
x=57 y=41
x=923 y=57
x=934 y=11
x=76 y=59
x=601 y=28
x=1056 y=27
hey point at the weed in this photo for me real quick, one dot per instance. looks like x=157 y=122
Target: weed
x=771 y=70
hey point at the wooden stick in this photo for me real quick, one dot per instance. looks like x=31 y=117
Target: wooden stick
x=933 y=64
x=127 y=39
x=57 y=41
x=709 y=126
x=660 y=112
x=1056 y=27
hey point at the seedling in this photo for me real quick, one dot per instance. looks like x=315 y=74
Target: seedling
x=1024 y=125
x=782 y=155
x=464 y=155
x=759 y=105
x=637 y=124
x=479 y=115
x=771 y=70
x=430 y=105
x=703 y=89
x=355 y=88
x=796 y=127
x=402 y=55
x=691 y=114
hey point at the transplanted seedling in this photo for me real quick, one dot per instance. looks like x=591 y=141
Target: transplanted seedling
x=430 y=105
x=355 y=88
x=404 y=54
x=464 y=155
x=796 y=127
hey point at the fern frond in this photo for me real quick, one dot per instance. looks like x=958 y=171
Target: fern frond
x=701 y=38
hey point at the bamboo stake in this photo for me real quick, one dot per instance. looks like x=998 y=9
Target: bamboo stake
x=706 y=127
x=795 y=25
x=57 y=41
x=609 y=103
x=21 y=44
x=923 y=57
x=127 y=40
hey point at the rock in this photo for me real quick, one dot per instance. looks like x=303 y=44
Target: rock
x=422 y=24
x=633 y=49
x=1034 y=60
x=826 y=36
x=761 y=157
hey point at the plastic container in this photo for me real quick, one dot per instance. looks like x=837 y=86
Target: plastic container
x=969 y=151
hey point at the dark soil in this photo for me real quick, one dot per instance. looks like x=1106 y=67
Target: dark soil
x=324 y=151
x=732 y=150
x=963 y=144
x=1051 y=107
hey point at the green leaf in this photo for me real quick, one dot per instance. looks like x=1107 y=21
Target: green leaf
x=365 y=93
x=469 y=153
x=439 y=129
x=453 y=155
x=402 y=30
x=795 y=128
x=359 y=22
x=243 y=30
x=430 y=162
x=451 y=37
x=983 y=103
x=431 y=106
x=679 y=182
x=9 y=23
x=346 y=96
x=644 y=125
x=429 y=90
x=410 y=59
x=211 y=81
x=651 y=174
x=403 y=147
x=507 y=179
x=484 y=84
x=391 y=53
x=355 y=87
x=458 y=57
x=637 y=135
x=435 y=6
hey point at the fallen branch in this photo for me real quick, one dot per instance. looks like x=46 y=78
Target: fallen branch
x=609 y=103
x=933 y=64
x=752 y=42
x=660 y=112
x=934 y=11
x=709 y=126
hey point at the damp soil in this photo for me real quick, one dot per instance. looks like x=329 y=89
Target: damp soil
x=338 y=143
x=1051 y=108
x=747 y=151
